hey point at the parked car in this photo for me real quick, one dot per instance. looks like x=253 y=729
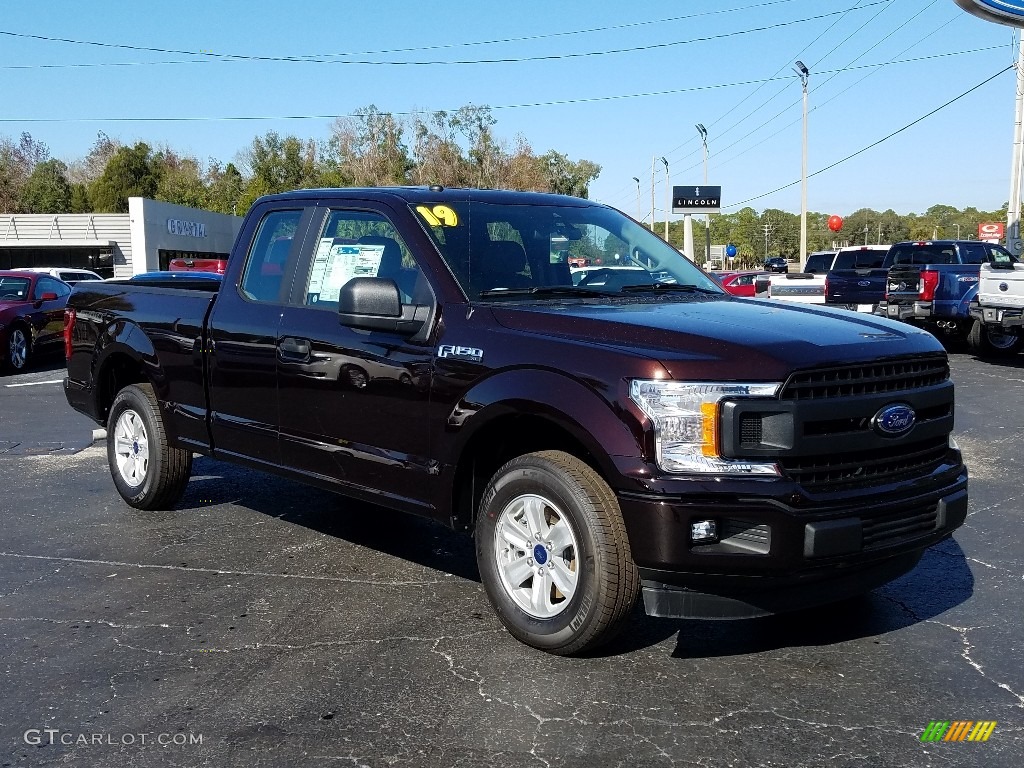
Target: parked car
x=932 y=283
x=198 y=265
x=740 y=283
x=776 y=264
x=856 y=280
x=998 y=310
x=31 y=316
x=628 y=435
x=69 y=275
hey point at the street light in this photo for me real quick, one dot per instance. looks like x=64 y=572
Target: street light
x=639 y=215
x=801 y=69
x=668 y=193
x=707 y=216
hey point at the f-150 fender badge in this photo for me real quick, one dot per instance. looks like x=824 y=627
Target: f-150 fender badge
x=461 y=353
x=894 y=420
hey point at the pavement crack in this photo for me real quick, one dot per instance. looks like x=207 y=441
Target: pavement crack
x=226 y=572
x=965 y=654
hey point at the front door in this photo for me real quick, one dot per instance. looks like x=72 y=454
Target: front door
x=243 y=331
x=353 y=403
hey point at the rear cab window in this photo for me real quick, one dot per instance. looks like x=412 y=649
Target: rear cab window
x=266 y=265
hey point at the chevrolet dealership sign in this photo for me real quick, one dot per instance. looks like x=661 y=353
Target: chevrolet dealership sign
x=1003 y=11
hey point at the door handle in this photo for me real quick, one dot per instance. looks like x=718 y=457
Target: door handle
x=294 y=349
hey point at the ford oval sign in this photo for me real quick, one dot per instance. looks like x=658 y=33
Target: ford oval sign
x=1003 y=11
x=894 y=420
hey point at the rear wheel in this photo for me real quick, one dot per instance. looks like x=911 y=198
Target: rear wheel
x=553 y=554
x=18 y=347
x=148 y=472
x=989 y=341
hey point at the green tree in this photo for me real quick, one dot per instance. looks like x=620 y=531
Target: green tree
x=80 y=199
x=566 y=177
x=180 y=179
x=47 y=189
x=129 y=173
x=225 y=187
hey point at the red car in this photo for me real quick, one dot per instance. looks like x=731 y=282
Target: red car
x=739 y=283
x=198 y=265
x=31 y=316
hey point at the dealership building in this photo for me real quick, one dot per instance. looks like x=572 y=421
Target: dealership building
x=116 y=244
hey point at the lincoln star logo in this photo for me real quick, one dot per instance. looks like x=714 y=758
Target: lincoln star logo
x=894 y=420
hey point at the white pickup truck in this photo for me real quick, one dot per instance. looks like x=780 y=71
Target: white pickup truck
x=998 y=310
x=801 y=287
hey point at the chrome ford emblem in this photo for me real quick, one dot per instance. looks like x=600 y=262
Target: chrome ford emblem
x=894 y=420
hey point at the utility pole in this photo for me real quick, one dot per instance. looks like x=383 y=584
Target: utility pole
x=805 y=75
x=1013 y=241
x=668 y=194
x=707 y=216
x=654 y=159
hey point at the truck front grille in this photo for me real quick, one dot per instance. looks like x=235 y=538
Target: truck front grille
x=865 y=468
x=867 y=379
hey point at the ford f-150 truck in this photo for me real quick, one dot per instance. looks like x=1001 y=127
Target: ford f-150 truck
x=637 y=431
x=932 y=283
x=998 y=309
x=857 y=278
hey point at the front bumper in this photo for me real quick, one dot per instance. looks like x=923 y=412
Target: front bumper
x=774 y=556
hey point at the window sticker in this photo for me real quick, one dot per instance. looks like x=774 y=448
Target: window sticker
x=335 y=263
x=438 y=216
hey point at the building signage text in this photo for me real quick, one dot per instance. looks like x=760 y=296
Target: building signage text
x=702 y=199
x=186 y=228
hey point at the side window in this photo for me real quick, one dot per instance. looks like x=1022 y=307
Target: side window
x=263 y=279
x=361 y=244
x=999 y=255
x=973 y=253
x=49 y=285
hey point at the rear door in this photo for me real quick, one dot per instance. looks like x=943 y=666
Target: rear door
x=243 y=330
x=353 y=402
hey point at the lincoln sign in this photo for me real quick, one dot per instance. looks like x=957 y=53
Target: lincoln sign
x=1003 y=11
x=702 y=199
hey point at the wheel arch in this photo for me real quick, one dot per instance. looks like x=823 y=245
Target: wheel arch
x=125 y=355
x=526 y=411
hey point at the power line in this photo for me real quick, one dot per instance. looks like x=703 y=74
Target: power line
x=880 y=141
x=516 y=60
x=525 y=105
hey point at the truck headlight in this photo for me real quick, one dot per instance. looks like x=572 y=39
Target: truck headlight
x=686 y=418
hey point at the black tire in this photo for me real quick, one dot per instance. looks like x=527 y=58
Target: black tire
x=607 y=580
x=161 y=471
x=986 y=342
x=19 y=348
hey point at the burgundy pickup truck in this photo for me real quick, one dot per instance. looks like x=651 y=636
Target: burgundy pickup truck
x=637 y=431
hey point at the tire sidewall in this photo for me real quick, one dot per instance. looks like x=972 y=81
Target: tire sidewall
x=531 y=476
x=131 y=398
x=10 y=348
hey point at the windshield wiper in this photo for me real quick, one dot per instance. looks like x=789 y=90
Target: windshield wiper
x=669 y=287
x=548 y=290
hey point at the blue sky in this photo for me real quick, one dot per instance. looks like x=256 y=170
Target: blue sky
x=616 y=83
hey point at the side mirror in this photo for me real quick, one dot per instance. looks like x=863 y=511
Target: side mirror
x=374 y=303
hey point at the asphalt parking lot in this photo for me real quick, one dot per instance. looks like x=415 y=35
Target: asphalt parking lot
x=263 y=623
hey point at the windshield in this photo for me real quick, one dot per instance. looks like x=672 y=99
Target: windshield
x=548 y=252
x=14 y=288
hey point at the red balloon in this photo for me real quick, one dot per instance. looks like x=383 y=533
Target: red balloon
x=835 y=223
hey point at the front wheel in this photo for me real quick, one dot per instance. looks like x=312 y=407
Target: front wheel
x=148 y=472
x=990 y=341
x=553 y=554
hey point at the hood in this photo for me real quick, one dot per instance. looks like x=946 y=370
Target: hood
x=726 y=338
